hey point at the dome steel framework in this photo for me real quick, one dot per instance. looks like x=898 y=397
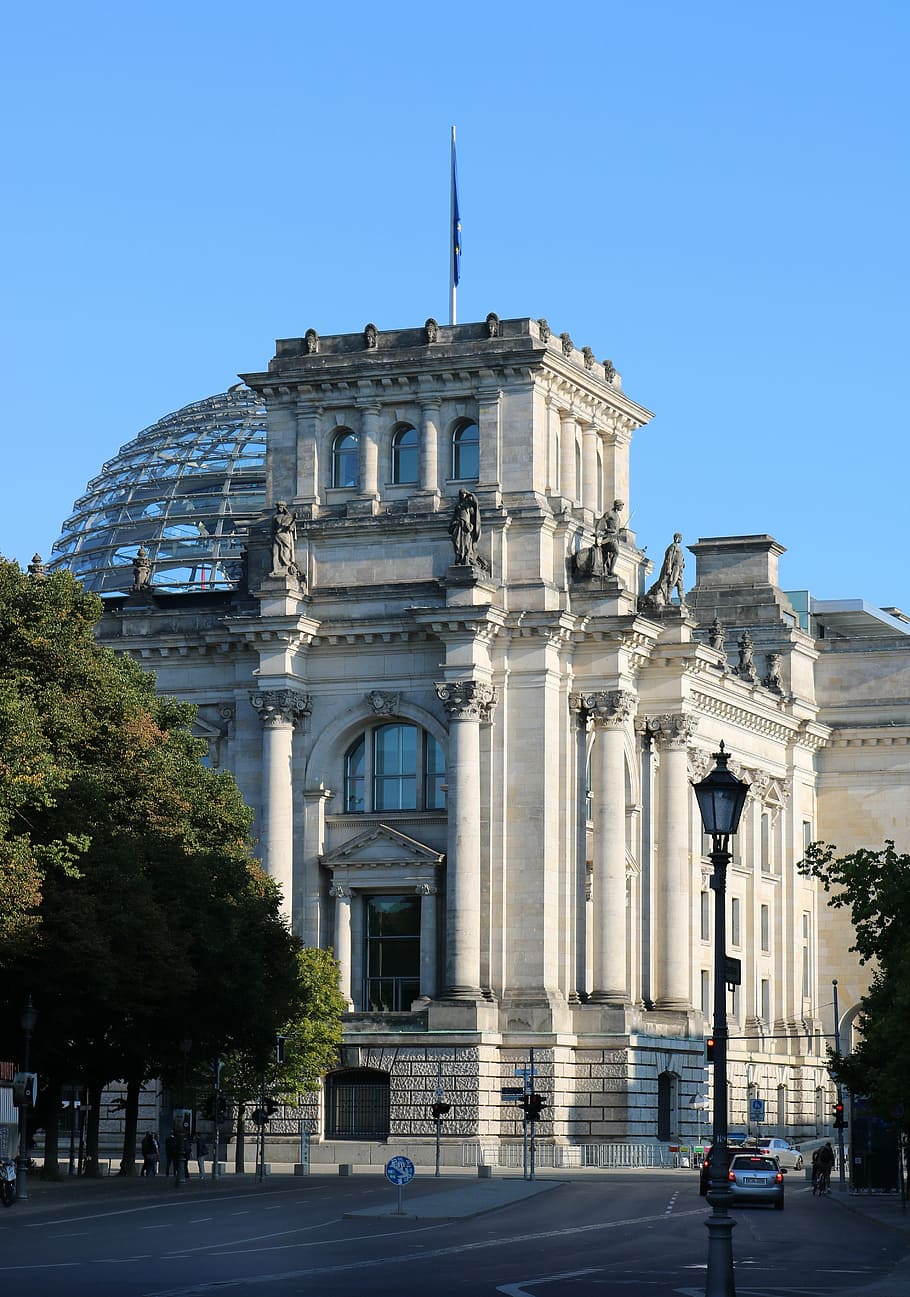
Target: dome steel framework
x=186 y=489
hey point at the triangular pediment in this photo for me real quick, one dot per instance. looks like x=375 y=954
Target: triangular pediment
x=382 y=845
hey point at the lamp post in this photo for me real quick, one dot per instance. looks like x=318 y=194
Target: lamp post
x=842 y=1170
x=721 y=798
x=181 y=1155
x=28 y=1020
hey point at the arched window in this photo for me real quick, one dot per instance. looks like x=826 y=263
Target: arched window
x=466 y=453
x=404 y=456
x=394 y=767
x=345 y=468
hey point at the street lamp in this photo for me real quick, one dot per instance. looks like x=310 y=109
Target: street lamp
x=28 y=1020
x=721 y=798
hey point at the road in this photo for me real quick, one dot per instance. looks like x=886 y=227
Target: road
x=635 y=1234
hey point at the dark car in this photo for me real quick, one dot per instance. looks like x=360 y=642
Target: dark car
x=734 y=1144
x=755 y=1177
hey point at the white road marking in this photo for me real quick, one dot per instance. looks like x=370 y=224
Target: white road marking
x=398 y=1259
x=518 y=1289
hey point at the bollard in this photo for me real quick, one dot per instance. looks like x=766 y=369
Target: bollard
x=485 y=1173
x=345 y=1168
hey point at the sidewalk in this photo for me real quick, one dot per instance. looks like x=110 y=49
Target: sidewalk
x=887 y=1210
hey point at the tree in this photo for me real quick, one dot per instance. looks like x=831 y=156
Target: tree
x=875 y=887
x=311 y=1041
x=142 y=917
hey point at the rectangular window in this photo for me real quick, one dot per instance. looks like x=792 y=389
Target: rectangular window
x=706 y=916
x=807 y=955
x=705 y=992
x=807 y=833
x=735 y=926
x=764 y=1007
x=765 y=929
x=392 y=953
x=766 y=843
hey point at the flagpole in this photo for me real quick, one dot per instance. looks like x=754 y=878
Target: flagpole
x=454 y=232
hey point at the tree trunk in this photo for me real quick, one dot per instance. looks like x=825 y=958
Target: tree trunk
x=130 y=1125
x=93 y=1126
x=51 y=1169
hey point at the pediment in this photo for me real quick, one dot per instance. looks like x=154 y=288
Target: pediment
x=382 y=845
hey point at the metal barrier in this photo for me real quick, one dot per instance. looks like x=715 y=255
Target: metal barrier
x=556 y=1156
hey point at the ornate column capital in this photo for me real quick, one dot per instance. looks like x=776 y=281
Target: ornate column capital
x=672 y=730
x=281 y=708
x=340 y=891
x=607 y=708
x=426 y=889
x=467 y=700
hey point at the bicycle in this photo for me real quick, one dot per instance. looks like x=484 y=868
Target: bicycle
x=821 y=1182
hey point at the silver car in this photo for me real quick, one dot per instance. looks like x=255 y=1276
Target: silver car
x=786 y=1153
x=755 y=1177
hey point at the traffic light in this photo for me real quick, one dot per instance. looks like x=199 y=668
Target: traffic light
x=439 y=1109
x=222 y=1107
x=839 y=1123
x=709 y=1050
x=271 y=1107
x=533 y=1104
x=258 y=1116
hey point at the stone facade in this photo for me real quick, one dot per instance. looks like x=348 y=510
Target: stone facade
x=473 y=780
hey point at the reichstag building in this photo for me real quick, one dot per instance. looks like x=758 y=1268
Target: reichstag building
x=395 y=575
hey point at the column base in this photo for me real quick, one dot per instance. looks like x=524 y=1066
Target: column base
x=617 y=999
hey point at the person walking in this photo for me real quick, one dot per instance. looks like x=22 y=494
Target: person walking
x=202 y=1152
x=170 y=1153
x=149 y=1153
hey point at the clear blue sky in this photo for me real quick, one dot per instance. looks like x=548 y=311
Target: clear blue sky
x=714 y=195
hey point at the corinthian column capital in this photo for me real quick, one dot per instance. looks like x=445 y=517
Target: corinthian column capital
x=607 y=708
x=281 y=708
x=672 y=730
x=469 y=700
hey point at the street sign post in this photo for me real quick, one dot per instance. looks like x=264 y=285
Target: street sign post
x=399 y=1171
x=757 y=1110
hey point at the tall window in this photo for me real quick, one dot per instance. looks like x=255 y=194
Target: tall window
x=764 y=1007
x=466 y=452
x=766 y=842
x=765 y=928
x=807 y=955
x=345 y=469
x=705 y=992
x=394 y=768
x=735 y=924
x=705 y=916
x=392 y=953
x=404 y=456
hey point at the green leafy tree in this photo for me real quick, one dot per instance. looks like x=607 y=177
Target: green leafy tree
x=138 y=916
x=875 y=887
x=312 y=1037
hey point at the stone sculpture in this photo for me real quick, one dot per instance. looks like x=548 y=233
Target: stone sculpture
x=464 y=528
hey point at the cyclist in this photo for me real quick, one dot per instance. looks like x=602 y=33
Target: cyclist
x=822 y=1164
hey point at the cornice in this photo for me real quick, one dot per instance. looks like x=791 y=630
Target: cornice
x=785 y=730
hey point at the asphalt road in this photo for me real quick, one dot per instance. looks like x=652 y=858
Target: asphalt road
x=634 y=1234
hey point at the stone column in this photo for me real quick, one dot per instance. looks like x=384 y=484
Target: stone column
x=673 y=983
x=579 y=824
x=610 y=711
x=310 y=919
x=369 y=450
x=280 y=710
x=427 y=894
x=568 y=487
x=342 y=946
x=467 y=703
x=589 y=469
x=429 y=447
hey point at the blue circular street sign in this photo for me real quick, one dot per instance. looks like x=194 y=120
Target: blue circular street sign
x=399 y=1170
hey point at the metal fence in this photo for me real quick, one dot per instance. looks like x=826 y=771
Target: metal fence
x=572 y=1155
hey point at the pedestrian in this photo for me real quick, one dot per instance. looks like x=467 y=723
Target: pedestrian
x=186 y=1146
x=149 y=1153
x=202 y=1152
x=170 y=1153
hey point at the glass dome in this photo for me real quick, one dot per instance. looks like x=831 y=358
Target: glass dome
x=186 y=489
